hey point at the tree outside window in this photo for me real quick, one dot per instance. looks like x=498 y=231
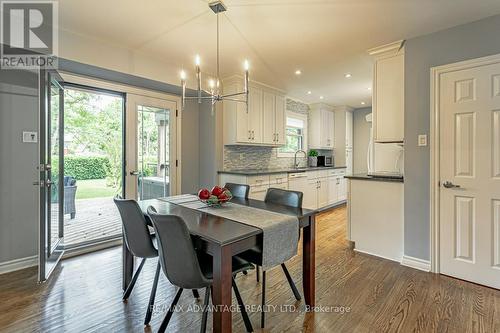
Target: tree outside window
x=295 y=135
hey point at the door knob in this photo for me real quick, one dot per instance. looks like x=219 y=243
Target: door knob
x=134 y=173
x=449 y=184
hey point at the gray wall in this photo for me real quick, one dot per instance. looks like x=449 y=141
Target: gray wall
x=18 y=161
x=473 y=40
x=361 y=134
x=208 y=146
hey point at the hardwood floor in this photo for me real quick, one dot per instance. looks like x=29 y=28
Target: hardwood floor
x=84 y=295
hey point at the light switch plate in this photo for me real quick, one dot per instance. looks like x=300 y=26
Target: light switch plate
x=422 y=140
x=30 y=137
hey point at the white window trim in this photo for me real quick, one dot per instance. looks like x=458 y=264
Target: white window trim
x=305 y=119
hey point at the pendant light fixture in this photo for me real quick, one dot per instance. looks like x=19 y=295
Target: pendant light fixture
x=214 y=93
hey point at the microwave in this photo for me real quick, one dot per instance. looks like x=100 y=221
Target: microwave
x=325 y=160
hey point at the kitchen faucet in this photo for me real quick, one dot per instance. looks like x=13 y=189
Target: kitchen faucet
x=296 y=165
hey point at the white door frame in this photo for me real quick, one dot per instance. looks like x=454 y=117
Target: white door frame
x=436 y=73
x=127 y=89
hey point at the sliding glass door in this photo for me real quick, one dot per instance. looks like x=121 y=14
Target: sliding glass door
x=151 y=132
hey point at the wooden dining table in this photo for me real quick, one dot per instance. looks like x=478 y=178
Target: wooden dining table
x=223 y=238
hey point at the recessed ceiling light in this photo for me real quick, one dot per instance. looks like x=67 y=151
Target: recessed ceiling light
x=347 y=75
x=309 y=92
x=320 y=97
x=363 y=103
x=298 y=72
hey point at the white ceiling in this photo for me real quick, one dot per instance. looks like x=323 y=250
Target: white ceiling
x=324 y=39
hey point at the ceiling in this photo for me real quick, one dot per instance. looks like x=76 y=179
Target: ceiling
x=324 y=39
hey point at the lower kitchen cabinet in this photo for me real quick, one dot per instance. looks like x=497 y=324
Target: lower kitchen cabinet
x=320 y=188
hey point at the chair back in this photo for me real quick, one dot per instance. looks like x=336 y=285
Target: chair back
x=284 y=197
x=135 y=229
x=238 y=190
x=177 y=254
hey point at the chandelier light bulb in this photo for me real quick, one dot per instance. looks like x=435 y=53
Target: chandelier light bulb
x=183 y=75
x=246 y=65
x=211 y=83
x=197 y=60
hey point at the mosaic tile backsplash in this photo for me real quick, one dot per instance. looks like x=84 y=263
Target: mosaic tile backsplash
x=250 y=157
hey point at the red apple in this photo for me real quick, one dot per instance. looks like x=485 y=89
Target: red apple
x=223 y=196
x=203 y=194
x=216 y=190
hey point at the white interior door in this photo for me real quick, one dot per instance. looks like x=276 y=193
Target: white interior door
x=152 y=154
x=469 y=104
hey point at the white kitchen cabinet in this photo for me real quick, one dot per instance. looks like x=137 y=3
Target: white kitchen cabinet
x=332 y=190
x=388 y=92
x=273 y=119
x=263 y=124
x=280 y=121
x=321 y=127
x=255 y=98
x=258 y=192
x=323 y=198
x=341 y=189
x=310 y=199
x=343 y=136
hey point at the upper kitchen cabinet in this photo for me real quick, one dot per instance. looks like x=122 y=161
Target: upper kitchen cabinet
x=388 y=92
x=321 y=126
x=263 y=124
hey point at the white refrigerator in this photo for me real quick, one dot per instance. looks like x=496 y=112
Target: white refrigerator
x=384 y=159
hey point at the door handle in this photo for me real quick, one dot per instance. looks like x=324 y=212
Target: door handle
x=134 y=173
x=449 y=184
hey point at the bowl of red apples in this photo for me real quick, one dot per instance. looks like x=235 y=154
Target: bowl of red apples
x=216 y=197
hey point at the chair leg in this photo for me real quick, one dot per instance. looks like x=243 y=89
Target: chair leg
x=291 y=283
x=205 y=310
x=165 y=321
x=263 y=313
x=257 y=270
x=149 y=311
x=134 y=280
x=244 y=314
x=196 y=294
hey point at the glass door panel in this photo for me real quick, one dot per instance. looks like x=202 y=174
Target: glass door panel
x=152 y=165
x=153 y=152
x=51 y=231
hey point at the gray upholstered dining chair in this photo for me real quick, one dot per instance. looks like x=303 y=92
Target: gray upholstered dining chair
x=238 y=190
x=254 y=255
x=139 y=242
x=186 y=268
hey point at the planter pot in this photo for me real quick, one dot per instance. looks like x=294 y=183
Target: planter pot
x=313 y=161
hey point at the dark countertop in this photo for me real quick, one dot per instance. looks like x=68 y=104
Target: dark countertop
x=364 y=176
x=251 y=172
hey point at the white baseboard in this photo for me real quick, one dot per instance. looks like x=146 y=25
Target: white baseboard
x=17 y=264
x=423 y=265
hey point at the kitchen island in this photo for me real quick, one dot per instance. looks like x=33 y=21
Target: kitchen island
x=375 y=215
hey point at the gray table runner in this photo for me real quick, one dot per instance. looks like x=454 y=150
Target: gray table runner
x=280 y=231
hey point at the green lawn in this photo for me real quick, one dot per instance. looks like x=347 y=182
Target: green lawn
x=94 y=188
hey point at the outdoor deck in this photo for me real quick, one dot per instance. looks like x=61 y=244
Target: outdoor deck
x=95 y=218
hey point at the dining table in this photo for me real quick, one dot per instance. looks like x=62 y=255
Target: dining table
x=224 y=238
